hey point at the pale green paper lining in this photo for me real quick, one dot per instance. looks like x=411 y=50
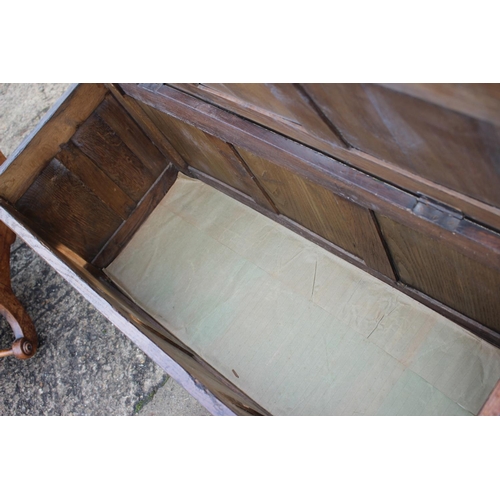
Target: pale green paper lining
x=305 y=332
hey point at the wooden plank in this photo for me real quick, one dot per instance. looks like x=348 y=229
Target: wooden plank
x=100 y=143
x=96 y=180
x=208 y=154
x=441 y=272
x=147 y=125
x=318 y=209
x=131 y=134
x=365 y=190
x=120 y=238
x=492 y=406
x=63 y=209
x=450 y=149
x=278 y=106
x=197 y=378
x=55 y=129
x=477 y=100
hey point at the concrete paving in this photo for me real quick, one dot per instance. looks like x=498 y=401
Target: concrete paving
x=84 y=366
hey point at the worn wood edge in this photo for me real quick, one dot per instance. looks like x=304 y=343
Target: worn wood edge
x=147 y=125
x=467 y=237
x=12 y=184
x=492 y=406
x=111 y=249
x=387 y=172
x=150 y=348
x=469 y=324
x=294 y=130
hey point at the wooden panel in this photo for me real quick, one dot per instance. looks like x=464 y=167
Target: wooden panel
x=451 y=149
x=132 y=136
x=147 y=125
x=95 y=179
x=43 y=143
x=100 y=143
x=318 y=209
x=128 y=228
x=444 y=274
x=478 y=100
x=208 y=154
x=279 y=106
x=64 y=210
x=353 y=184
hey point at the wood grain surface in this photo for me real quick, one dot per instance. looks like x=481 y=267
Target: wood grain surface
x=95 y=178
x=62 y=208
x=55 y=129
x=337 y=220
x=119 y=239
x=441 y=272
x=438 y=144
x=208 y=153
x=281 y=107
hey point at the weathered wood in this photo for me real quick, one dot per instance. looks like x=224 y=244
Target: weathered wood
x=448 y=148
x=147 y=125
x=132 y=136
x=100 y=143
x=482 y=103
x=358 y=187
x=146 y=205
x=318 y=209
x=281 y=107
x=96 y=180
x=55 y=129
x=477 y=100
x=492 y=406
x=210 y=155
x=444 y=274
x=215 y=393
x=62 y=208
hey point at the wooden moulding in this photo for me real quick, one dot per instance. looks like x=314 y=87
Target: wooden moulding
x=464 y=235
x=453 y=97
x=214 y=392
x=55 y=129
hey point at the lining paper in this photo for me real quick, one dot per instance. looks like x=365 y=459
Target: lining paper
x=299 y=330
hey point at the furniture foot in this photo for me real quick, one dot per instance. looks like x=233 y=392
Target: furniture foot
x=26 y=339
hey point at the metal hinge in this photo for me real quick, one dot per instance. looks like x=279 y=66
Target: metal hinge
x=437 y=212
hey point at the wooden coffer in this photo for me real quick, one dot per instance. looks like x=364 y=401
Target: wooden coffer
x=400 y=180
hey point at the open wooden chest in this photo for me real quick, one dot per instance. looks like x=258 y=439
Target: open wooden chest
x=279 y=248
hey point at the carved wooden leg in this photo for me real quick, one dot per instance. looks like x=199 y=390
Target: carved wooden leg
x=26 y=340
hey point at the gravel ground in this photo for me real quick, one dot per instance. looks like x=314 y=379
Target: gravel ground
x=84 y=366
